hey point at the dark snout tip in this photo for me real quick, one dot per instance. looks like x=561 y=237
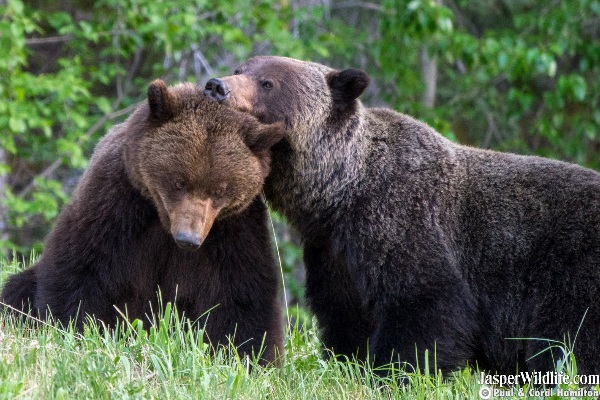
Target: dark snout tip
x=216 y=89
x=187 y=241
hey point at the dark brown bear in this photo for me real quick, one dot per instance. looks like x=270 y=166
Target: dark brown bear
x=411 y=241
x=170 y=200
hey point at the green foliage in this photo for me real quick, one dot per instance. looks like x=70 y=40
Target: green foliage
x=41 y=116
x=407 y=29
x=519 y=76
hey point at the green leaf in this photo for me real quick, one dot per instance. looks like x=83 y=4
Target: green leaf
x=17 y=125
x=579 y=88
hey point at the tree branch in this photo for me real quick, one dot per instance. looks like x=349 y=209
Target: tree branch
x=199 y=59
x=46 y=40
x=359 y=4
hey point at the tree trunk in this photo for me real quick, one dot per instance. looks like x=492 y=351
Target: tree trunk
x=429 y=69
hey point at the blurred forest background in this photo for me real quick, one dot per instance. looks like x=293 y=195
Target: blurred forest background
x=513 y=75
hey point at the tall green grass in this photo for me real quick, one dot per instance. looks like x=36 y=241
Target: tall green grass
x=170 y=361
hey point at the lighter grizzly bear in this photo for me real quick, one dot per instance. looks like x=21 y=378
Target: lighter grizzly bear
x=414 y=243
x=169 y=202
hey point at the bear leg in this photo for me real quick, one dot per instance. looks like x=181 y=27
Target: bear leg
x=74 y=298
x=444 y=326
x=19 y=290
x=345 y=321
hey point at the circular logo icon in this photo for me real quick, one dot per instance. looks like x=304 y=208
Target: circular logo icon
x=485 y=392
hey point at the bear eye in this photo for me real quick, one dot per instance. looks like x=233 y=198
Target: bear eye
x=217 y=193
x=267 y=84
x=237 y=71
x=178 y=184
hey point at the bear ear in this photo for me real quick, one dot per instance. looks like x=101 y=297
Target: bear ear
x=347 y=85
x=260 y=137
x=161 y=101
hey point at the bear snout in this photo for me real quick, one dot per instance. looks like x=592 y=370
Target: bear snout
x=190 y=221
x=187 y=240
x=217 y=89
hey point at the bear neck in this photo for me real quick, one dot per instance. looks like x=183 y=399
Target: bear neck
x=314 y=173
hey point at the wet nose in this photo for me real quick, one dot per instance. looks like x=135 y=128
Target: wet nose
x=217 y=89
x=187 y=241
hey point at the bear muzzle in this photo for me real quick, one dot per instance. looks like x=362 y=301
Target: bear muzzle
x=191 y=220
x=236 y=91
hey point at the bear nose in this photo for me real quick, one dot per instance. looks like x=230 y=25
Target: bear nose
x=187 y=241
x=217 y=89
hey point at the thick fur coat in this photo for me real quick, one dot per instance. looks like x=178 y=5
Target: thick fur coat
x=414 y=243
x=169 y=202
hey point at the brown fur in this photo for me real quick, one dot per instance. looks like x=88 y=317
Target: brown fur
x=414 y=242
x=180 y=166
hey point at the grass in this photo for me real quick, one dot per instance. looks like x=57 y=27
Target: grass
x=171 y=362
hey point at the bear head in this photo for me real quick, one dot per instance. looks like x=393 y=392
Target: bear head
x=303 y=95
x=196 y=160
